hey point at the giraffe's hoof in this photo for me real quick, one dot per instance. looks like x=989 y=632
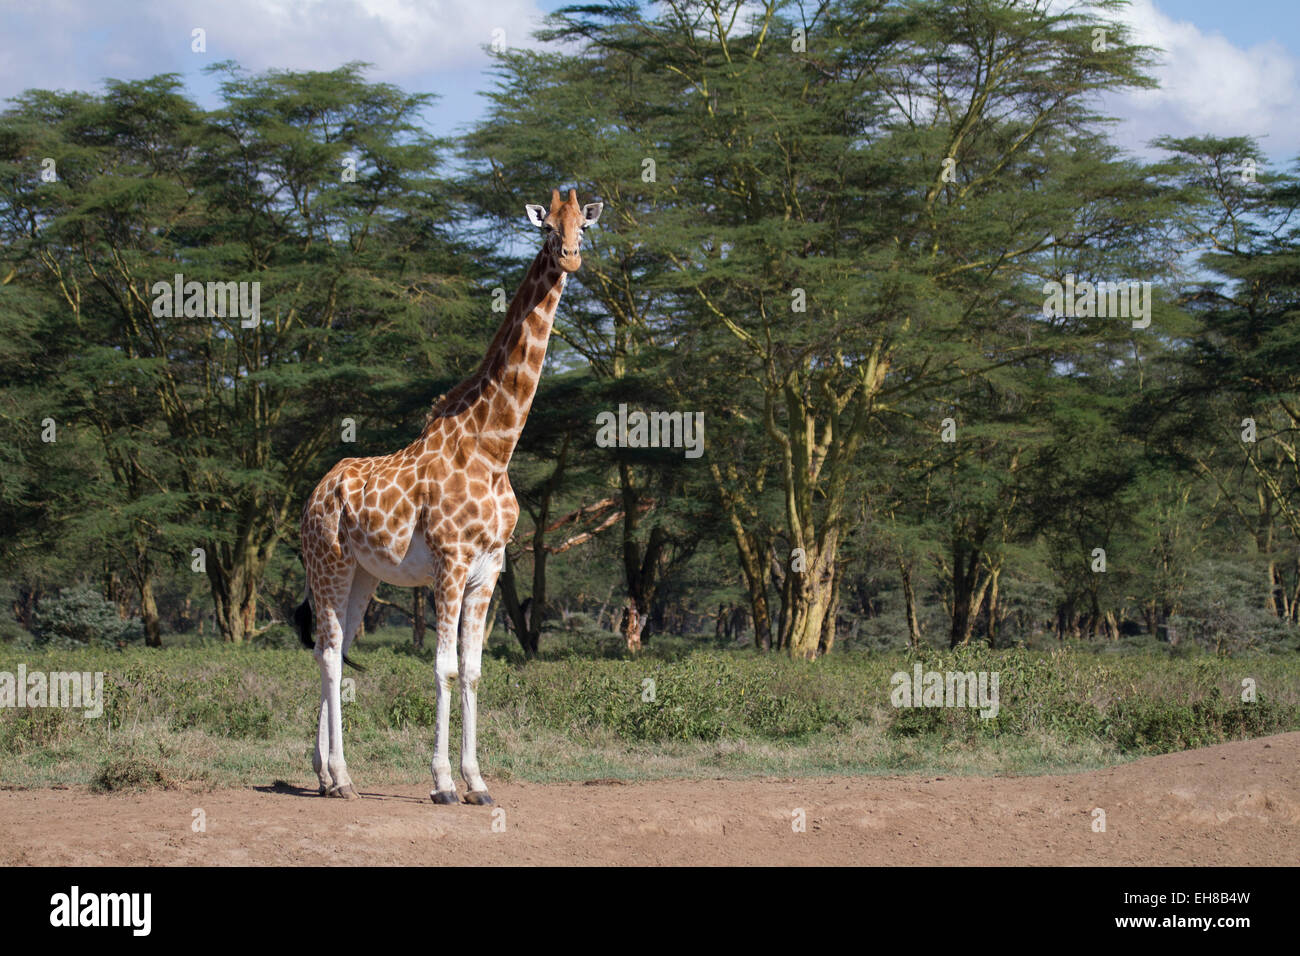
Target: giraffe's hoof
x=443 y=796
x=479 y=798
x=346 y=792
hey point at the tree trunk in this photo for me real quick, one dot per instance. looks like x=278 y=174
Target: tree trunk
x=373 y=616
x=25 y=605
x=1278 y=600
x=991 y=606
x=752 y=554
x=970 y=583
x=641 y=570
x=812 y=590
x=234 y=593
x=149 y=614
x=1294 y=604
x=827 y=640
x=118 y=592
x=965 y=564
x=632 y=624
x=909 y=600
x=786 y=582
x=417 y=618
x=643 y=581
x=811 y=604
x=739 y=621
x=517 y=612
x=535 y=612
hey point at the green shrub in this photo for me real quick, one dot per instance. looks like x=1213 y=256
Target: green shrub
x=79 y=616
x=411 y=708
x=1102 y=705
x=1165 y=725
x=11 y=632
x=130 y=771
x=31 y=729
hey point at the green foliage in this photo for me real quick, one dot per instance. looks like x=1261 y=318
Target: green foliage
x=1135 y=704
x=80 y=615
x=34 y=729
x=1135 y=711
x=199 y=429
x=703 y=698
x=1218 y=613
x=780 y=173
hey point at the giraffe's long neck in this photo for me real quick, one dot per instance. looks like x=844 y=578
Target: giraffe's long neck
x=492 y=404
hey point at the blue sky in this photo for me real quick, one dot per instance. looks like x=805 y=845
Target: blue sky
x=1243 y=23
x=1231 y=66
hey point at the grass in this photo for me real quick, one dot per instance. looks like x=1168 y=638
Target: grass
x=216 y=715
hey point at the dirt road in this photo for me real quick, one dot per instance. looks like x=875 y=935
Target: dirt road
x=1238 y=803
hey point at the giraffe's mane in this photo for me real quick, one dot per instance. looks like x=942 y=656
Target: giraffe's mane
x=442 y=402
x=435 y=411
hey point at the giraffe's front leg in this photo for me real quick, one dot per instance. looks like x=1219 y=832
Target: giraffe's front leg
x=447 y=600
x=473 y=618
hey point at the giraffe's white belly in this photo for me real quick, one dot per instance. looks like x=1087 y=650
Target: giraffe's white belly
x=416 y=569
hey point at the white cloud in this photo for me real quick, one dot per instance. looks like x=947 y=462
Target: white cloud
x=75 y=44
x=402 y=37
x=1208 y=85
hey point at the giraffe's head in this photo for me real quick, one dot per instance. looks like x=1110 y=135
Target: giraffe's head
x=564 y=225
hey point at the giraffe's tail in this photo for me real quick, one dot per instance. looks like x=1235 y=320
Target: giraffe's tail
x=303 y=619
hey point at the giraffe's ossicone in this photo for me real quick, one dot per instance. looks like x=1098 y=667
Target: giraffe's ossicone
x=436 y=514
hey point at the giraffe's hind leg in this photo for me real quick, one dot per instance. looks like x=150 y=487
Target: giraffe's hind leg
x=332 y=610
x=321 y=752
x=340 y=784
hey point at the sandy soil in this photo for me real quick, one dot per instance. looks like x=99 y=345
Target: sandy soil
x=1238 y=803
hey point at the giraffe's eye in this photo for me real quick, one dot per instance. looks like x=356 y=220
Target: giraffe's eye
x=548 y=227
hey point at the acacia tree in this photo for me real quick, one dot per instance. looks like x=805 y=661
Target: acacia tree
x=857 y=193
x=1232 y=409
x=573 y=118
x=38 y=553
x=317 y=187
x=853 y=264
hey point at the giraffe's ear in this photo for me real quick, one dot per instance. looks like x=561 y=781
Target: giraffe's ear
x=536 y=214
x=591 y=212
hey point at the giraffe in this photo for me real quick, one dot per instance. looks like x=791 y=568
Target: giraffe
x=437 y=513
